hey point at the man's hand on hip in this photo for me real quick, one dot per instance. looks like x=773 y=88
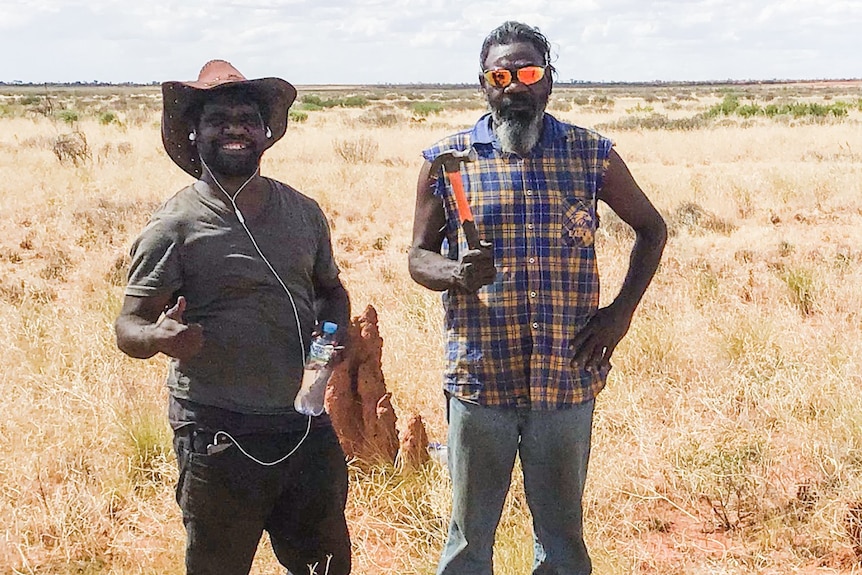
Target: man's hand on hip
x=595 y=343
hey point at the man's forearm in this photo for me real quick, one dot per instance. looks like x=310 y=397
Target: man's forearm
x=431 y=270
x=643 y=263
x=136 y=337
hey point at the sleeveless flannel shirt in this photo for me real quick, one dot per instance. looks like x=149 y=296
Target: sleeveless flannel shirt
x=508 y=344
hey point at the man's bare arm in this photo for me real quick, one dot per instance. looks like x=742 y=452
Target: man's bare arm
x=428 y=267
x=595 y=344
x=145 y=327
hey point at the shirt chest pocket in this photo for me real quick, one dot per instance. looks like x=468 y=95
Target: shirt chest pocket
x=579 y=223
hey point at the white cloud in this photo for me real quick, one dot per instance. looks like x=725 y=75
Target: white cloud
x=370 y=41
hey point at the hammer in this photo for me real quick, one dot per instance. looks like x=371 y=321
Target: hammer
x=451 y=160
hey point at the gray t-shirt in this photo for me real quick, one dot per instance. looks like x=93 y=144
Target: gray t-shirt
x=195 y=246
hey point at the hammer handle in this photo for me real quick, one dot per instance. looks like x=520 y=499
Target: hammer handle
x=469 y=227
x=464 y=211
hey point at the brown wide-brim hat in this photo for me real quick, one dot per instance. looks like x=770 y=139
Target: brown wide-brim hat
x=214 y=77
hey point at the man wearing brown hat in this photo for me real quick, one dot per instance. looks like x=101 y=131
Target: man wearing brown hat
x=230 y=279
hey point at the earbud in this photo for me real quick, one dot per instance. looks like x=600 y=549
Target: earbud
x=193 y=136
x=268 y=132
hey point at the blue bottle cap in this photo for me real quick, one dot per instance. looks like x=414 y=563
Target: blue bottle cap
x=329 y=327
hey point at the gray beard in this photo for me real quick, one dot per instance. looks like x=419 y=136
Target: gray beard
x=518 y=135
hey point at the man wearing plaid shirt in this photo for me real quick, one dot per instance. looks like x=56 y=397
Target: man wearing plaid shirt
x=527 y=347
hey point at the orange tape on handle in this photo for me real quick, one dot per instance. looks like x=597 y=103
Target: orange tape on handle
x=464 y=211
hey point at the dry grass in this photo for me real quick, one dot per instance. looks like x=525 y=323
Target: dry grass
x=728 y=440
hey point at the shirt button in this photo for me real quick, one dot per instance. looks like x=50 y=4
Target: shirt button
x=535 y=325
x=529 y=192
x=533 y=294
x=532 y=260
x=529 y=226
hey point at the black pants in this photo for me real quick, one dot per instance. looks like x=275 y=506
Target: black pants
x=228 y=501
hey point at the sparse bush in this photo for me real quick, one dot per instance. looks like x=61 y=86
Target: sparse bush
x=803 y=287
x=72 y=147
x=602 y=100
x=728 y=436
x=29 y=100
x=149 y=443
x=640 y=109
x=138 y=117
x=379 y=117
x=559 y=105
x=358 y=150
x=696 y=219
x=57 y=265
x=657 y=122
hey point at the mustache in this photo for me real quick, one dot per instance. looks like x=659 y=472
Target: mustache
x=519 y=106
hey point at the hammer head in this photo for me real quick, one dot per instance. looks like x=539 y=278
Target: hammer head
x=451 y=160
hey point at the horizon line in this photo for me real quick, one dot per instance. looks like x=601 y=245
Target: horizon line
x=456 y=85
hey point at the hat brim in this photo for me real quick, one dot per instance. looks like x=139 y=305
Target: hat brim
x=178 y=97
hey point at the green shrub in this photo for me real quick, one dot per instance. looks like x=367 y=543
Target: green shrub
x=108 y=118
x=297 y=116
x=312 y=99
x=313 y=102
x=68 y=116
x=354 y=102
x=727 y=106
x=310 y=107
x=731 y=106
x=426 y=108
x=29 y=100
x=748 y=110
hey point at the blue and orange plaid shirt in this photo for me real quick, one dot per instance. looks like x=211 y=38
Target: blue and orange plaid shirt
x=508 y=344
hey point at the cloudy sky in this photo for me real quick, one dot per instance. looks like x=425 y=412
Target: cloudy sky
x=405 y=41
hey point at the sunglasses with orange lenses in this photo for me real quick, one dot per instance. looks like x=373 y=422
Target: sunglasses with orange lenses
x=502 y=77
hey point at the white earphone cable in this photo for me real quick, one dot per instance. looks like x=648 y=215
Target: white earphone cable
x=255 y=459
x=241 y=219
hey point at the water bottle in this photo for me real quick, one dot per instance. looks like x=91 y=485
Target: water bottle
x=439 y=453
x=309 y=400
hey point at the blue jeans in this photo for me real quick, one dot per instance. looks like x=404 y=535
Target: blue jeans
x=554 y=447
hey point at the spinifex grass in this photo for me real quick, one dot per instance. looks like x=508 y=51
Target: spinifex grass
x=728 y=438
